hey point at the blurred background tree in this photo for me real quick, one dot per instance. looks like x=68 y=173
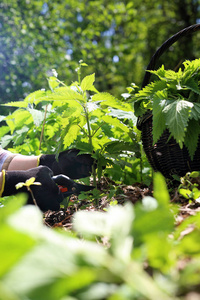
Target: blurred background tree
x=115 y=38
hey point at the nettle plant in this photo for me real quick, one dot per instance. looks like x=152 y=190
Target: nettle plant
x=174 y=100
x=50 y=121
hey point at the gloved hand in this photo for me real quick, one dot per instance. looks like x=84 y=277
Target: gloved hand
x=69 y=163
x=47 y=195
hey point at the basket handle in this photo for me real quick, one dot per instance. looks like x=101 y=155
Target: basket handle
x=164 y=47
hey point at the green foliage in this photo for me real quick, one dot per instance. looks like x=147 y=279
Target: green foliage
x=77 y=116
x=43 y=263
x=175 y=102
x=189 y=187
x=115 y=39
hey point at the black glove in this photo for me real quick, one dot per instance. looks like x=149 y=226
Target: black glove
x=69 y=163
x=47 y=195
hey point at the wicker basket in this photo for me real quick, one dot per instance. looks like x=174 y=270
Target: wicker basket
x=166 y=156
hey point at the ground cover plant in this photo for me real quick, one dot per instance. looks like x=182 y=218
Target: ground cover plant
x=105 y=249
x=127 y=252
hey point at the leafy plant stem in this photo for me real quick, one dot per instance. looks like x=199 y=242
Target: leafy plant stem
x=42 y=132
x=34 y=201
x=98 y=129
x=82 y=129
x=90 y=135
x=62 y=83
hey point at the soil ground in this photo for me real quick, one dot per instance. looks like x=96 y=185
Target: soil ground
x=132 y=193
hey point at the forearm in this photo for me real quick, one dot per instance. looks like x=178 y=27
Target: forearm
x=23 y=162
x=11 y=161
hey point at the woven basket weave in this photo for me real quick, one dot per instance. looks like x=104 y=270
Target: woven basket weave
x=166 y=156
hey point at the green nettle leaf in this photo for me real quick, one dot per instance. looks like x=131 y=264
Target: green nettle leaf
x=36 y=96
x=5 y=140
x=167 y=75
x=29 y=100
x=106 y=100
x=73 y=111
x=66 y=121
x=138 y=108
x=177 y=116
x=71 y=135
x=143 y=99
x=53 y=82
x=4 y=130
x=20 y=134
x=87 y=83
x=195 y=112
x=115 y=122
x=50 y=130
x=158 y=118
x=18 y=119
x=20 y=104
x=192 y=85
x=84 y=147
x=160 y=72
x=64 y=94
x=122 y=114
x=119 y=146
x=38 y=116
x=192 y=136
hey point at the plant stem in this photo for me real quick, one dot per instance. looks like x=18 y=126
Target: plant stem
x=90 y=141
x=82 y=129
x=34 y=201
x=91 y=144
x=44 y=121
x=98 y=128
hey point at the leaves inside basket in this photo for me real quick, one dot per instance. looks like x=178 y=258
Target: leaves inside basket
x=174 y=99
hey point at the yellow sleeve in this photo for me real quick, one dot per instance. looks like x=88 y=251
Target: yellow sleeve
x=3 y=182
x=38 y=160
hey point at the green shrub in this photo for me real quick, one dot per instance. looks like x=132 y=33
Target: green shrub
x=77 y=116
